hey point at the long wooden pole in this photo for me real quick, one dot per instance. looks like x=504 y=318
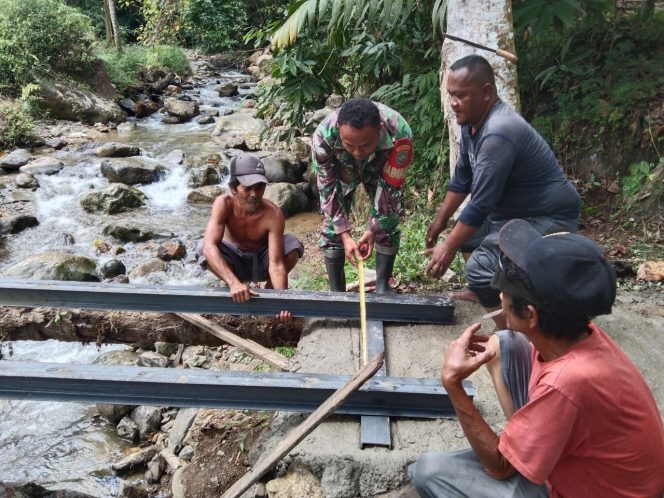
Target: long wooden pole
x=267 y=355
x=312 y=421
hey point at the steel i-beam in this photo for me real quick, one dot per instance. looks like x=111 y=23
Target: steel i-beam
x=375 y=430
x=172 y=299
x=381 y=396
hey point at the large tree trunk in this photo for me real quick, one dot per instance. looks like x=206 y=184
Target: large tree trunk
x=488 y=22
x=107 y=24
x=138 y=329
x=114 y=24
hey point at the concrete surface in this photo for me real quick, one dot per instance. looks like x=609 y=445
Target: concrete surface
x=332 y=451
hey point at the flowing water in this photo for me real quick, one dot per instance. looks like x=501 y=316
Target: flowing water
x=64 y=445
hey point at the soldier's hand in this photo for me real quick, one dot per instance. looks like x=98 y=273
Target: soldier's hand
x=351 y=249
x=366 y=244
x=284 y=316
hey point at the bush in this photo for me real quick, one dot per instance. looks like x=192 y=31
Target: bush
x=38 y=36
x=124 y=69
x=214 y=25
x=16 y=125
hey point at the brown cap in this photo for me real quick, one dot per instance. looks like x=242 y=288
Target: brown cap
x=248 y=169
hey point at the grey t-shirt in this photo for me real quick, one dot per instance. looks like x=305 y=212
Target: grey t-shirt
x=511 y=172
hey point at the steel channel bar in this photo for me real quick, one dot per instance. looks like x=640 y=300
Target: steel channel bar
x=171 y=299
x=386 y=396
x=375 y=430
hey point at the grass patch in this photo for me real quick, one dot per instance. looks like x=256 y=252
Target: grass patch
x=125 y=69
x=287 y=351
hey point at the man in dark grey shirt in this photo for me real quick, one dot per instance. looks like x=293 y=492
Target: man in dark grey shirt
x=510 y=172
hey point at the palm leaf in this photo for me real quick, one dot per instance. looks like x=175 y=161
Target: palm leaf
x=287 y=33
x=438 y=15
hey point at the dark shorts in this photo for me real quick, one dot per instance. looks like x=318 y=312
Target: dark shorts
x=250 y=266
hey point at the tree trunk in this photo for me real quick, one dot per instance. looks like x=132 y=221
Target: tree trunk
x=488 y=22
x=138 y=329
x=114 y=24
x=107 y=24
x=647 y=10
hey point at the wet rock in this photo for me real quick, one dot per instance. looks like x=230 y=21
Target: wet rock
x=204 y=195
x=170 y=250
x=32 y=490
x=170 y=120
x=66 y=100
x=147 y=418
x=137 y=459
x=152 y=359
x=288 y=197
x=114 y=149
x=181 y=109
x=126 y=127
x=127 y=428
x=212 y=112
x=282 y=167
x=55 y=266
x=132 y=170
x=120 y=279
x=156 y=468
x=146 y=107
x=165 y=348
x=113 y=413
x=128 y=105
x=174 y=157
x=117 y=357
x=183 y=421
x=132 y=490
x=227 y=90
x=173 y=89
x=43 y=166
x=15 y=223
x=112 y=268
x=202 y=176
x=55 y=143
x=152 y=266
x=204 y=119
x=128 y=234
x=186 y=453
x=239 y=130
x=116 y=198
x=298 y=482
x=162 y=83
x=14 y=160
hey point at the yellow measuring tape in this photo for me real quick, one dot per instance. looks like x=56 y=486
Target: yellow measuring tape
x=363 y=314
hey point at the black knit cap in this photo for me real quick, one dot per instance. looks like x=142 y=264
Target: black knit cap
x=568 y=272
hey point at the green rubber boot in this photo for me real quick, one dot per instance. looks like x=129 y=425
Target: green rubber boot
x=384 y=266
x=334 y=264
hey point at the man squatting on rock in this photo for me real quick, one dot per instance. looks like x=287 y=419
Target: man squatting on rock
x=368 y=143
x=244 y=239
x=509 y=171
x=582 y=422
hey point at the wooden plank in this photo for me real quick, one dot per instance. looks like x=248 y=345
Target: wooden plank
x=408 y=308
x=301 y=431
x=375 y=430
x=193 y=387
x=270 y=357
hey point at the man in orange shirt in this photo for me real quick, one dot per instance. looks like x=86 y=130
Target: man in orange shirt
x=582 y=421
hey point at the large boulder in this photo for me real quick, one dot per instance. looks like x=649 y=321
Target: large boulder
x=24 y=180
x=126 y=233
x=114 y=149
x=205 y=195
x=183 y=110
x=132 y=170
x=66 y=100
x=282 y=167
x=16 y=223
x=55 y=266
x=14 y=160
x=228 y=89
x=288 y=197
x=116 y=198
x=240 y=130
x=43 y=166
x=200 y=176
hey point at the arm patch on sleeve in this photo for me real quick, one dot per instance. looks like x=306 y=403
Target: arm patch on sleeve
x=394 y=170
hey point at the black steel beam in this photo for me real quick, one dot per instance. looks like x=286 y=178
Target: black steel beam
x=375 y=430
x=170 y=299
x=383 y=396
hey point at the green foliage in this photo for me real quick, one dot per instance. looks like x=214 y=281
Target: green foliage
x=213 y=24
x=38 y=36
x=124 y=69
x=16 y=125
x=287 y=351
x=639 y=175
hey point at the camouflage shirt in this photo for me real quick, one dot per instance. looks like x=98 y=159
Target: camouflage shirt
x=383 y=173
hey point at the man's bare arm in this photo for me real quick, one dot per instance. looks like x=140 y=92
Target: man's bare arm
x=275 y=244
x=214 y=234
x=465 y=355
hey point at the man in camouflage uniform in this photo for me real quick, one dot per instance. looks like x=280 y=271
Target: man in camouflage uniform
x=368 y=143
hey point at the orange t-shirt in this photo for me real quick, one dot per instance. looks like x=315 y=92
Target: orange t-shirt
x=591 y=426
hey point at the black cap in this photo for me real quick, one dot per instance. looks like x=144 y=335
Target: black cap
x=248 y=169
x=568 y=272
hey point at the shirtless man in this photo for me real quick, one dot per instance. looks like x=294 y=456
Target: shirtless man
x=244 y=239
